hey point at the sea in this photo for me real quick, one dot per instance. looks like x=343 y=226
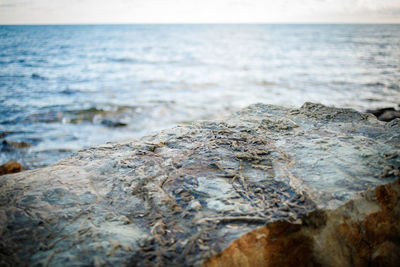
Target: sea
x=64 y=88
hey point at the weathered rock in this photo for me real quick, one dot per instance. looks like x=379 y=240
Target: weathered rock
x=363 y=232
x=183 y=195
x=385 y=114
x=379 y=111
x=10 y=167
x=389 y=115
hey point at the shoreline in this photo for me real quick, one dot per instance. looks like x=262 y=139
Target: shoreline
x=385 y=114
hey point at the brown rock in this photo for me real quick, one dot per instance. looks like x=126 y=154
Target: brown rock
x=10 y=167
x=363 y=232
x=278 y=244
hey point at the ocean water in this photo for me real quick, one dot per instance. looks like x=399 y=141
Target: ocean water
x=64 y=88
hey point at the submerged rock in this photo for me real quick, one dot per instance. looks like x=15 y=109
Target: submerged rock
x=183 y=195
x=113 y=124
x=8 y=146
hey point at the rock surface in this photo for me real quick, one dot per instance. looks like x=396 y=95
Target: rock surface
x=363 y=232
x=10 y=167
x=183 y=195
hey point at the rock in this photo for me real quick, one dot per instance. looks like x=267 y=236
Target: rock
x=113 y=124
x=363 y=232
x=37 y=77
x=4 y=134
x=385 y=114
x=182 y=196
x=8 y=146
x=379 y=111
x=389 y=115
x=10 y=167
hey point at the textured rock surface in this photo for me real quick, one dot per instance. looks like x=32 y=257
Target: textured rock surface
x=363 y=232
x=183 y=195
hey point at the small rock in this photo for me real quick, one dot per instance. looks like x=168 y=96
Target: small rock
x=378 y=112
x=113 y=124
x=10 y=167
x=389 y=115
x=36 y=76
x=385 y=114
x=3 y=134
x=8 y=146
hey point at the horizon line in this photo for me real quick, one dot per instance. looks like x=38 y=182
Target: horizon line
x=199 y=23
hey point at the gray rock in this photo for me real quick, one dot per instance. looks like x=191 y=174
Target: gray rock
x=389 y=115
x=182 y=195
x=385 y=114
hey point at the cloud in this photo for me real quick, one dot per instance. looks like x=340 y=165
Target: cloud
x=138 y=11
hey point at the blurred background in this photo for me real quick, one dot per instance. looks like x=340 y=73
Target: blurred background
x=68 y=87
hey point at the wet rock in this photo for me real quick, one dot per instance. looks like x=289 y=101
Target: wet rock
x=389 y=115
x=379 y=111
x=36 y=76
x=385 y=114
x=183 y=195
x=113 y=124
x=8 y=146
x=363 y=232
x=4 y=134
x=110 y=117
x=10 y=167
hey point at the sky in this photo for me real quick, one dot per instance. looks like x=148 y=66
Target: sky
x=198 y=11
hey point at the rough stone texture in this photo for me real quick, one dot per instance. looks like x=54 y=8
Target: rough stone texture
x=183 y=195
x=363 y=232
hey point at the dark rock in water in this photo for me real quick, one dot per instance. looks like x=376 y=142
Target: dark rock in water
x=113 y=124
x=385 y=114
x=389 y=115
x=8 y=146
x=69 y=91
x=10 y=167
x=37 y=77
x=109 y=118
x=3 y=134
x=380 y=111
x=182 y=196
